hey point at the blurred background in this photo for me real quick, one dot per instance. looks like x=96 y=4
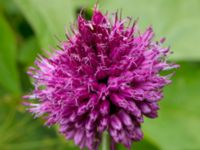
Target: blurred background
x=27 y=27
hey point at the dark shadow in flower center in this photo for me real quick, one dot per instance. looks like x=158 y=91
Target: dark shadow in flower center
x=113 y=109
x=103 y=80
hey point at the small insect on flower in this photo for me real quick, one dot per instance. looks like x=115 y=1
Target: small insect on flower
x=105 y=77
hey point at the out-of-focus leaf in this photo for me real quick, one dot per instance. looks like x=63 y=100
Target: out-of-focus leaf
x=19 y=131
x=29 y=51
x=7 y=6
x=48 y=18
x=145 y=144
x=82 y=4
x=178 y=123
x=177 y=20
x=9 y=78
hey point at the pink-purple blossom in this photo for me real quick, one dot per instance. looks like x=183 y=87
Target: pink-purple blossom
x=104 y=77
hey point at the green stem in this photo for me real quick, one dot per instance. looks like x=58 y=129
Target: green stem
x=105 y=141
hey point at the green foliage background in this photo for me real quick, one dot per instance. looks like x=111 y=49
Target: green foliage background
x=28 y=26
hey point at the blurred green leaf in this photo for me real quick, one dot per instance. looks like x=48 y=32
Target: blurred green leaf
x=9 y=78
x=19 y=131
x=48 y=18
x=178 y=123
x=145 y=144
x=27 y=54
x=29 y=51
x=177 y=20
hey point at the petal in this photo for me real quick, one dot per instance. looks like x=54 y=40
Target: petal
x=125 y=118
x=145 y=108
x=78 y=136
x=105 y=108
x=132 y=107
x=98 y=17
x=119 y=101
x=115 y=122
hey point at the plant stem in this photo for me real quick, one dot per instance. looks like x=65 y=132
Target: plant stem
x=105 y=141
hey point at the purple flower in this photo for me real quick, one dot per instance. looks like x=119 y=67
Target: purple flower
x=105 y=77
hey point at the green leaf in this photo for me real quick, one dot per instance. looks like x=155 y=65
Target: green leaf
x=29 y=51
x=19 y=131
x=178 y=21
x=9 y=78
x=177 y=126
x=145 y=144
x=48 y=18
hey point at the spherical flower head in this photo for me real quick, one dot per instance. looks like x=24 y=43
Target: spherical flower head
x=105 y=77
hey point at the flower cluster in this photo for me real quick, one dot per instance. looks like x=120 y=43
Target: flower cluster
x=105 y=77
